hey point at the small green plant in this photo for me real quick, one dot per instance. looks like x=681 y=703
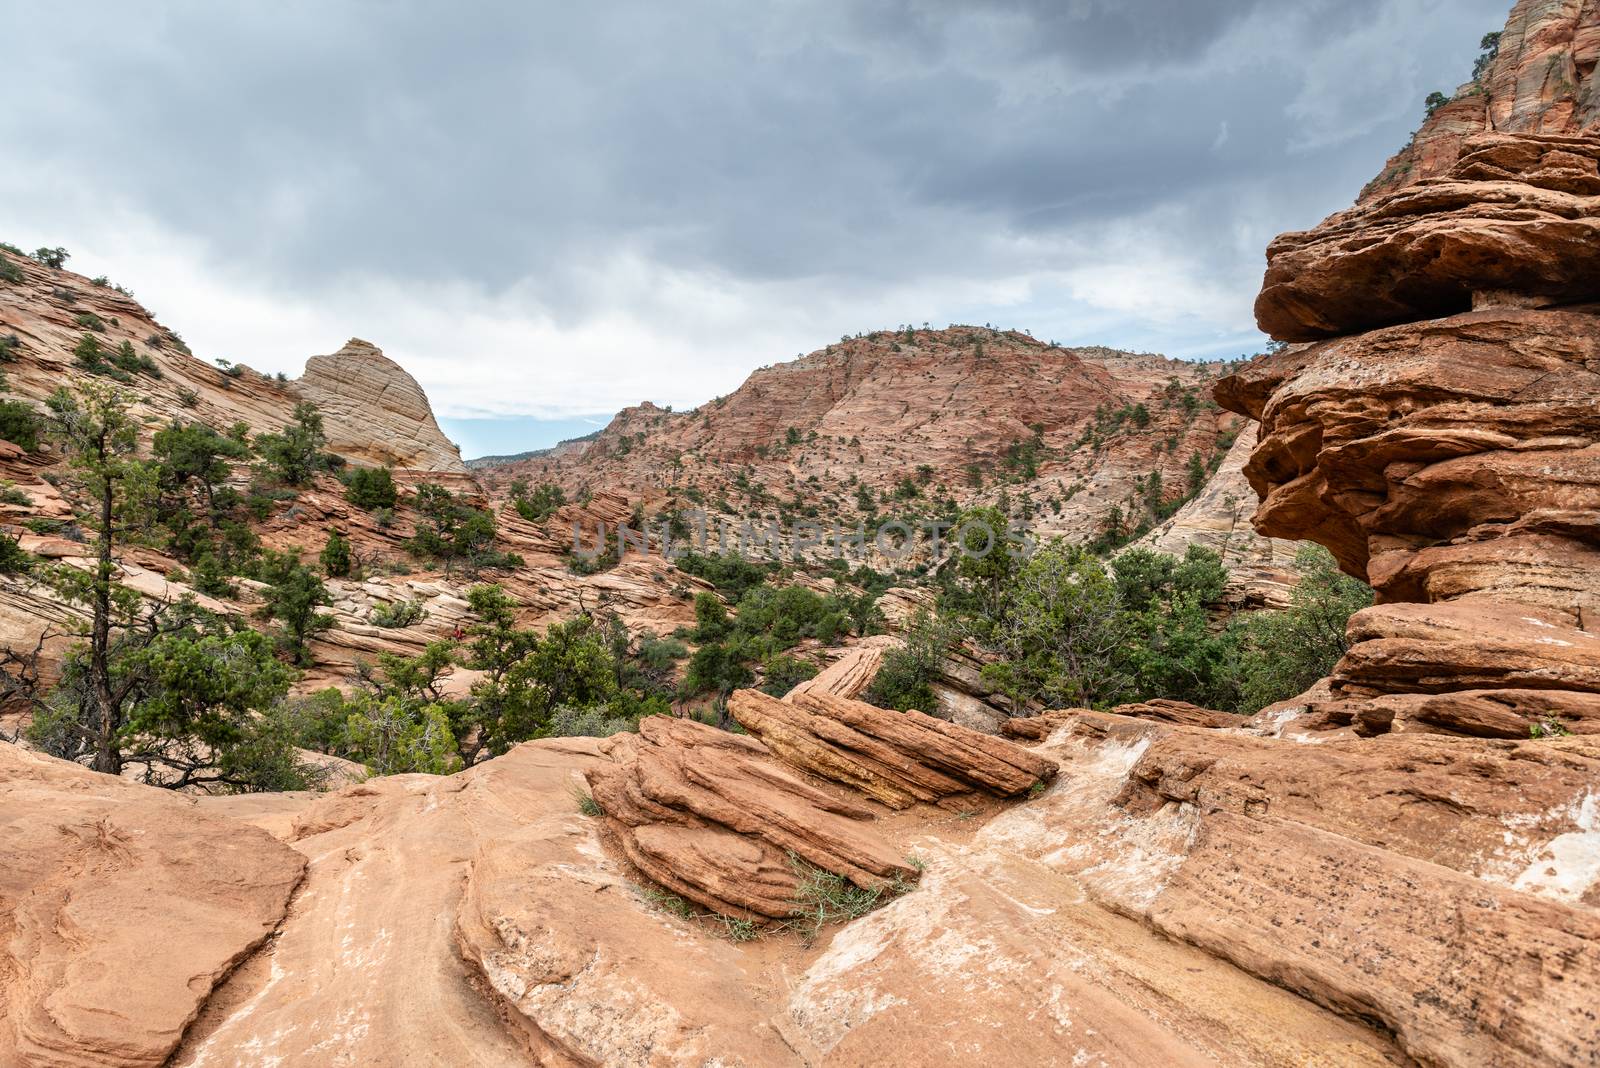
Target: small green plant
x=13 y=559
x=398 y=614
x=20 y=425
x=9 y=494
x=821 y=897
x=1036 y=789
x=1548 y=726
x=9 y=272
x=52 y=257
x=739 y=930
x=188 y=397
x=666 y=900
x=371 y=487
x=335 y=558
x=90 y=321
x=590 y=807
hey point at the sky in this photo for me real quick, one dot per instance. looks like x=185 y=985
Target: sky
x=546 y=212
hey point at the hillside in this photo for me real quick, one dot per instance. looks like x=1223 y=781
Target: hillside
x=920 y=423
x=372 y=413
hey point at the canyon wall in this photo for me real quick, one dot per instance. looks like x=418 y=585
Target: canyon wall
x=1439 y=433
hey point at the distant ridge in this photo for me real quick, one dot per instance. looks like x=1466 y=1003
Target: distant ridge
x=482 y=462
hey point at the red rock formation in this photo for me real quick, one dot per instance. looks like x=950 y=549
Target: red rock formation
x=1452 y=459
x=712 y=817
x=897 y=758
x=1538 y=83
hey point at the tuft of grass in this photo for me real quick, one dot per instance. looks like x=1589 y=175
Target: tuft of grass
x=586 y=802
x=738 y=930
x=1036 y=789
x=667 y=901
x=822 y=897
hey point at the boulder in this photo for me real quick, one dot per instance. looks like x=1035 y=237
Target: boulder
x=712 y=817
x=897 y=758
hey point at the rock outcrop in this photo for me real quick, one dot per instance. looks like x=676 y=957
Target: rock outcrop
x=1444 y=441
x=121 y=909
x=896 y=758
x=713 y=818
x=1539 y=82
x=375 y=412
x=1178 y=895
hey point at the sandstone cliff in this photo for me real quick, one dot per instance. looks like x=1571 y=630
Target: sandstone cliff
x=1443 y=440
x=1539 y=82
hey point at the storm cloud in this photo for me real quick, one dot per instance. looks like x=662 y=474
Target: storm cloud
x=554 y=210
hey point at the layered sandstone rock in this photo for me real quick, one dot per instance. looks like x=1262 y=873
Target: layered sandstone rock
x=1540 y=82
x=1451 y=456
x=375 y=411
x=121 y=909
x=712 y=817
x=1179 y=896
x=851 y=673
x=897 y=758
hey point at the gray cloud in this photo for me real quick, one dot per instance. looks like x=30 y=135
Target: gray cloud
x=843 y=155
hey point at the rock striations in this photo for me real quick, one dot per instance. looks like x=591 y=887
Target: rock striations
x=1443 y=438
x=375 y=411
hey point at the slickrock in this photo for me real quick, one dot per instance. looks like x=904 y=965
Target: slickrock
x=375 y=411
x=121 y=908
x=715 y=819
x=897 y=758
x=1440 y=887
x=475 y=920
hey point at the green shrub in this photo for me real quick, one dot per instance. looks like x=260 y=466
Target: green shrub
x=335 y=555
x=906 y=676
x=396 y=614
x=13 y=560
x=782 y=673
x=19 y=424
x=538 y=504
x=1283 y=653
x=371 y=487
